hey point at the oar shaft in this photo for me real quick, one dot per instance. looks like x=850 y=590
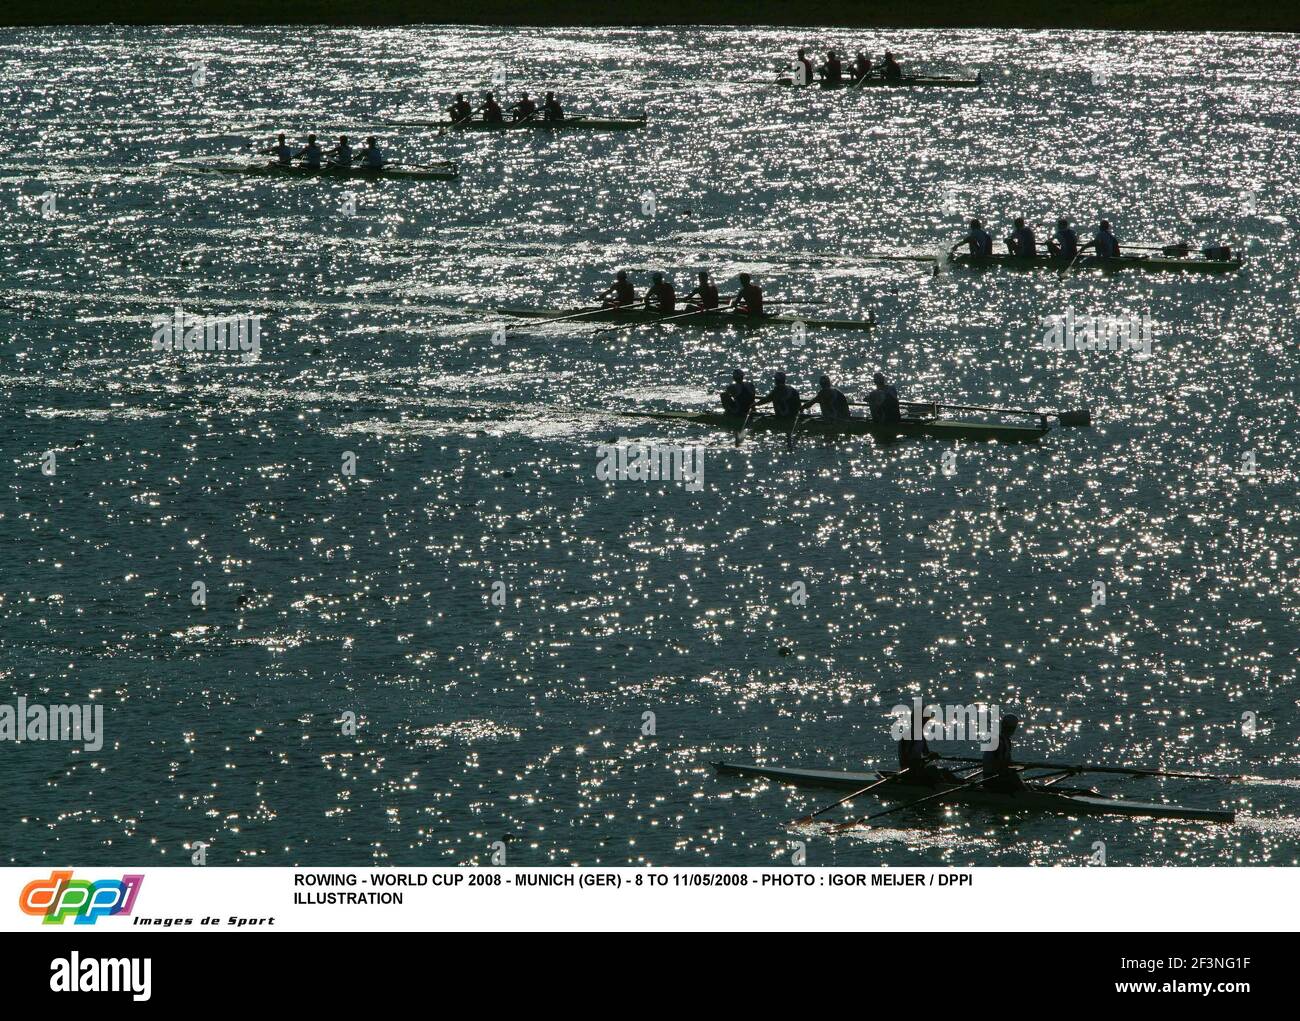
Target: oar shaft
x=1120 y=770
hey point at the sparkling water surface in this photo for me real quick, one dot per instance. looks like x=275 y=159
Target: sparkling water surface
x=371 y=594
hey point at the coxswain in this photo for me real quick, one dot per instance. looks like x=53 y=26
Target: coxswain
x=310 y=153
x=861 y=67
x=370 y=156
x=832 y=70
x=783 y=398
x=620 y=293
x=892 y=70
x=750 y=299
x=525 y=109
x=803 y=68
x=1022 y=241
x=460 y=110
x=341 y=154
x=1104 y=241
x=979 y=240
x=999 y=772
x=834 y=405
x=281 y=151
x=705 y=292
x=551 y=109
x=883 y=401
x=661 y=297
x=492 y=109
x=1064 y=243
x=739 y=398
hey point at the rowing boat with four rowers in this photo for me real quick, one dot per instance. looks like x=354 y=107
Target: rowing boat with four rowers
x=701 y=307
x=860 y=74
x=524 y=114
x=340 y=161
x=1064 y=251
x=888 y=419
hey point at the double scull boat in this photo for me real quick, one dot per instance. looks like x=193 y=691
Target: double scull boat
x=1036 y=797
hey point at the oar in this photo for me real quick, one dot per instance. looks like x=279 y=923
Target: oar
x=900 y=258
x=1077 y=252
x=666 y=319
x=740 y=434
x=839 y=827
x=1081 y=417
x=574 y=315
x=806 y=819
x=1121 y=770
x=467 y=117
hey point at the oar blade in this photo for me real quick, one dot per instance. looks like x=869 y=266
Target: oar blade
x=1082 y=417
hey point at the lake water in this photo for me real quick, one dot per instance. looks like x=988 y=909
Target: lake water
x=959 y=573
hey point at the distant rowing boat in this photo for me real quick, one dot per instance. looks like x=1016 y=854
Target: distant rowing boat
x=1143 y=262
x=445 y=172
x=1038 y=797
x=576 y=123
x=713 y=318
x=912 y=425
x=875 y=82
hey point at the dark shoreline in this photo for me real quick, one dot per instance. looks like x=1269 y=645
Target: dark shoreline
x=1158 y=15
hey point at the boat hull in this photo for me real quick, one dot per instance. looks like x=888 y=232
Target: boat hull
x=1150 y=263
x=909 y=81
x=1063 y=800
x=935 y=428
x=644 y=315
x=568 y=124
x=449 y=173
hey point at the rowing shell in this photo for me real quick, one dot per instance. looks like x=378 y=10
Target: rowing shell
x=446 y=172
x=1038 y=797
x=645 y=315
x=873 y=82
x=1147 y=262
x=934 y=428
x=537 y=124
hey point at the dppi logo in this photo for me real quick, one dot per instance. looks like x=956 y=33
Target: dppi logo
x=60 y=896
